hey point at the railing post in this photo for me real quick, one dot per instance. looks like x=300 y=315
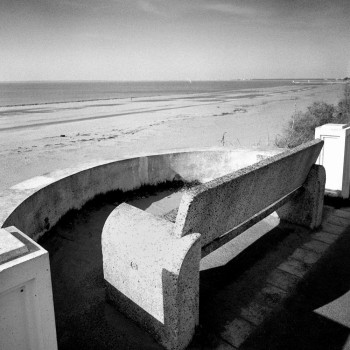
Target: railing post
x=335 y=157
x=27 y=319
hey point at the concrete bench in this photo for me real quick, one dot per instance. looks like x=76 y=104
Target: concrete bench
x=151 y=265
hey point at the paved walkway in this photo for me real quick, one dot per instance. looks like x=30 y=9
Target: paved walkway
x=268 y=301
x=253 y=298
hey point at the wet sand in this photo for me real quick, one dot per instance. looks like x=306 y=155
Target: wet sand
x=37 y=139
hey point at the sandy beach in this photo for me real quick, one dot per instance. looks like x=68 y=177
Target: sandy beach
x=37 y=139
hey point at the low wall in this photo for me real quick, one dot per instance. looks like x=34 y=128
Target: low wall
x=35 y=205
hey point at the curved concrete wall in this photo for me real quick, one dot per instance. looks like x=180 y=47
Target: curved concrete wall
x=34 y=206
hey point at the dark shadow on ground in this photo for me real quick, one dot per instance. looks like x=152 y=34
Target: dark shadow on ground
x=85 y=321
x=294 y=330
x=83 y=318
x=336 y=202
x=225 y=290
x=297 y=326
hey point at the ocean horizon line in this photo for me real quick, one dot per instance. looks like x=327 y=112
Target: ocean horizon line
x=157 y=80
x=19 y=94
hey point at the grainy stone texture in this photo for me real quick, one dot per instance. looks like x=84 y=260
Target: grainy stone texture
x=335 y=229
x=316 y=246
x=255 y=313
x=342 y=214
x=306 y=256
x=283 y=280
x=306 y=208
x=237 y=331
x=339 y=221
x=151 y=265
x=152 y=276
x=294 y=267
x=325 y=237
x=218 y=206
x=271 y=296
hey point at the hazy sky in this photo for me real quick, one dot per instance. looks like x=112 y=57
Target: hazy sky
x=173 y=39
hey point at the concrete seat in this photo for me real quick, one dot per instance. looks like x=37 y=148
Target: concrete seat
x=151 y=265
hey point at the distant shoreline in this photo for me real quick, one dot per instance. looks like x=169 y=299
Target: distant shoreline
x=39 y=139
x=28 y=93
x=43 y=93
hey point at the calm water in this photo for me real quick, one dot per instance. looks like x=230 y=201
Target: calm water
x=27 y=93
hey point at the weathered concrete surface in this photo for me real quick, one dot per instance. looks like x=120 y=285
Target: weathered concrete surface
x=218 y=206
x=27 y=319
x=160 y=206
x=10 y=246
x=152 y=276
x=338 y=310
x=137 y=245
x=35 y=205
x=306 y=207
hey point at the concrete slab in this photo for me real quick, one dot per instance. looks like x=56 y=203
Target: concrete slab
x=237 y=331
x=283 y=280
x=338 y=221
x=342 y=213
x=271 y=296
x=331 y=228
x=256 y=313
x=160 y=203
x=306 y=256
x=232 y=249
x=10 y=246
x=325 y=237
x=294 y=267
x=166 y=204
x=338 y=310
x=316 y=246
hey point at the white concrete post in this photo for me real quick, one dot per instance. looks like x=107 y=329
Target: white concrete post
x=334 y=157
x=27 y=320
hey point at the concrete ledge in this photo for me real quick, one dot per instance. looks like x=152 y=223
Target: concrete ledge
x=35 y=205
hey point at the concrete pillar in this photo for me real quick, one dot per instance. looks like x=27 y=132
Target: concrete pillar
x=334 y=157
x=306 y=207
x=27 y=319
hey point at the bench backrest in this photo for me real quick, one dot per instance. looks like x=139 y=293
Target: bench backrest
x=216 y=207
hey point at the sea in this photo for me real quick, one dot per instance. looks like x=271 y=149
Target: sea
x=32 y=93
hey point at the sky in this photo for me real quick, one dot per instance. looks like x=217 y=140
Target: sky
x=173 y=39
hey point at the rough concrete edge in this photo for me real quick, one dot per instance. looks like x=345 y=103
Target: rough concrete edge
x=12 y=199
x=190 y=194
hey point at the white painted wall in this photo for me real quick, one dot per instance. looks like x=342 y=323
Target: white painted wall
x=27 y=320
x=335 y=157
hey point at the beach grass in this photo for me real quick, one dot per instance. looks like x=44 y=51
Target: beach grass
x=301 y=126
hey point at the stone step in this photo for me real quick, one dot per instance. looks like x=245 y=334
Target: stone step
x=338 y=220
x=331 y=228
x=342 y=213
x=325 y=237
